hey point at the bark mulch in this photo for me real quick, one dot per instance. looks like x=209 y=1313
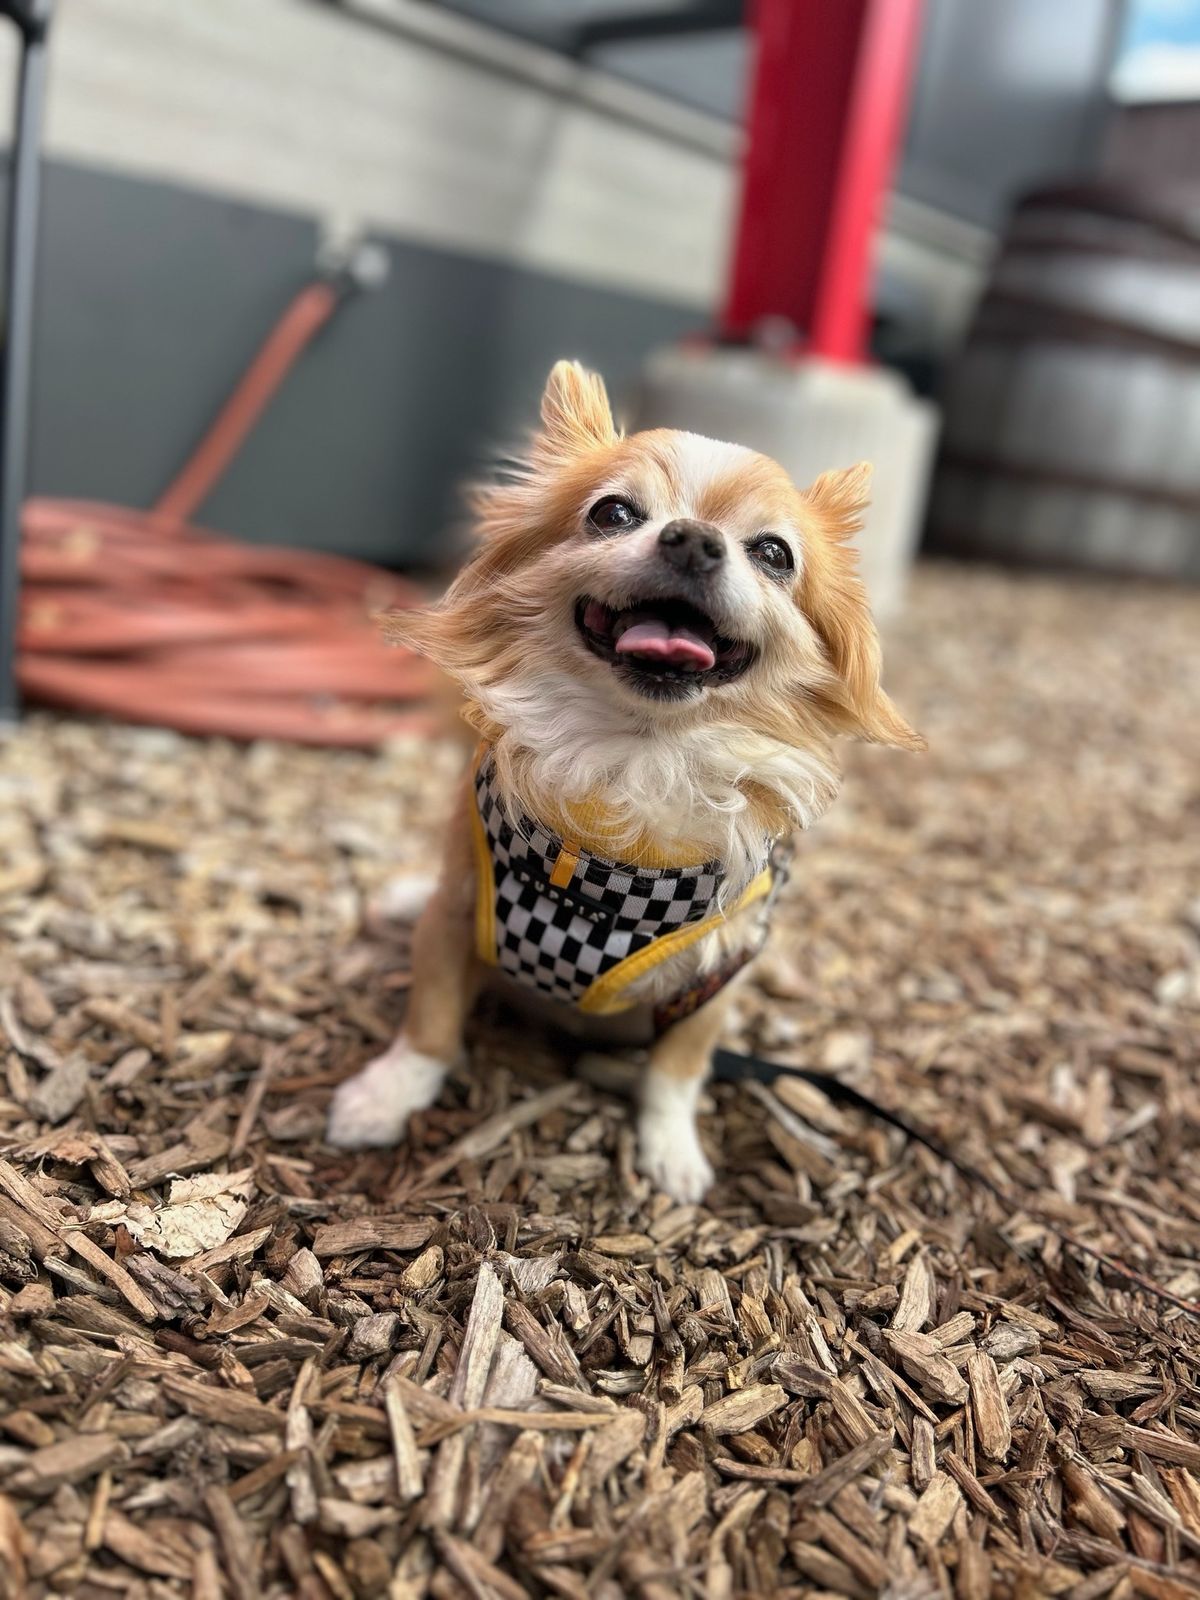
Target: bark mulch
x=234 y=1362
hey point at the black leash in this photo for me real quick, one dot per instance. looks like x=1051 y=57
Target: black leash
x=730 y=1067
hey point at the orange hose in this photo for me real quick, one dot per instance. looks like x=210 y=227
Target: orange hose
x=308 y=312
x=140 y=616
x=228 y=711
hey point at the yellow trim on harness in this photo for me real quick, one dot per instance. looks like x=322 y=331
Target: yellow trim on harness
x=590 y=826
x=565 y=864
x=603 y=995
x=485 y=891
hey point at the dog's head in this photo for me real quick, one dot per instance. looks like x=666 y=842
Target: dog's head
x=676 y=579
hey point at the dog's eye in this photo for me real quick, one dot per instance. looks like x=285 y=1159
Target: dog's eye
x=772 y=554
x=614 y=515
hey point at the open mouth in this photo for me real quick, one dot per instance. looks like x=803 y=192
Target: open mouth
x=665 y=648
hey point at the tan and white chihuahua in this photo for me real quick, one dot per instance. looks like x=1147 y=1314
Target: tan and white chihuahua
x=658 y=640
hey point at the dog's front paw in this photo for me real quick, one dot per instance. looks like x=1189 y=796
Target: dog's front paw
x=374 y=1106
x=669 y=1154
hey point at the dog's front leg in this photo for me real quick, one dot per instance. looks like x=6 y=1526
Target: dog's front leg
x=373 y=1107
x=669 y=1151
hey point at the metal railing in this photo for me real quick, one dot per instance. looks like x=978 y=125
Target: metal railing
x=32 y=18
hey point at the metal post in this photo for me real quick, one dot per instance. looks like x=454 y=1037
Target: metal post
x=826 y=116
x=32 y=18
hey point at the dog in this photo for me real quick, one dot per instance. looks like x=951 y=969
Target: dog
x=658 y=640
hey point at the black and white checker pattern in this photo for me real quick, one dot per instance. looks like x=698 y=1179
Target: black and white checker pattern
x=560 y=940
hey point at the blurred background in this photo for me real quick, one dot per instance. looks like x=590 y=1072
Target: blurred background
x=1014 y=183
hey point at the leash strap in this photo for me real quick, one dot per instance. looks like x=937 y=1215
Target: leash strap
x=730 y=1067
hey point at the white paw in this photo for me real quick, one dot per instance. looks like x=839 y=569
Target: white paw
x=374 y=1106
x=669 y=1154
x=403 y=899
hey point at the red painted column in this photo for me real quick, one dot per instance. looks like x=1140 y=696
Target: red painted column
x=830 y=88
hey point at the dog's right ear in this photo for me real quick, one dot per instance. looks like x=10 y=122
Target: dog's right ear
x=576 y=415
x=835 y=602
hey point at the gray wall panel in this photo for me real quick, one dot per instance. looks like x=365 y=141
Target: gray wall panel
x=152 y=299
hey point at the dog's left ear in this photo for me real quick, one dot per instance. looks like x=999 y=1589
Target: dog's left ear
x=835 y=603
x=576 y=415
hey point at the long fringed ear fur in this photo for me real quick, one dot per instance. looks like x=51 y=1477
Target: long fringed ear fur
x=576 y=419
x=460 y=633
x=576 y=415
x=835 y=602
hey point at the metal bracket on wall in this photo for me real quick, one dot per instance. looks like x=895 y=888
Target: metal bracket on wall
x=32 y=18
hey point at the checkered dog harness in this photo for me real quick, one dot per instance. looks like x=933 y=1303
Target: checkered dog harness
x=579 y=928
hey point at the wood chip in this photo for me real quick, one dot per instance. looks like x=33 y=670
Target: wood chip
x=478 y=1575
x=548 y=1347
x=115 y=1274
x=744 y=1409
x=494 y=1132
x=624 y=1244
x=73 y=1460
x=1162 y=1446
x=466 y=1391
x=369 y=1233
x=923 y=1454
x=424 y=1271
x=410 y=1475
x=60 y=1091
x=936 y=1377
x=988 y=1407
x=373 y=1335
x=152 y=1547
x=821 y=1489
x=916 y=1298
x=227 y=1407
x=238 y=1558
x=934 y=1510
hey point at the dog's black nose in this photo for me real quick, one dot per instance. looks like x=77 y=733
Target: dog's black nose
x=692 y=547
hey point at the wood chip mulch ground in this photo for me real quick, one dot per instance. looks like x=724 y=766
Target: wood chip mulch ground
x=234 y=1362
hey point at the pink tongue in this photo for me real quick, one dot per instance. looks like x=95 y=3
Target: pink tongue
x=678 y=646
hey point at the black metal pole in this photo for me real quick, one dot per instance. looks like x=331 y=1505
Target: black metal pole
x=32 y=18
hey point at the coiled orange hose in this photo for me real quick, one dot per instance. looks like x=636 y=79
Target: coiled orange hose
x=139 y=616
